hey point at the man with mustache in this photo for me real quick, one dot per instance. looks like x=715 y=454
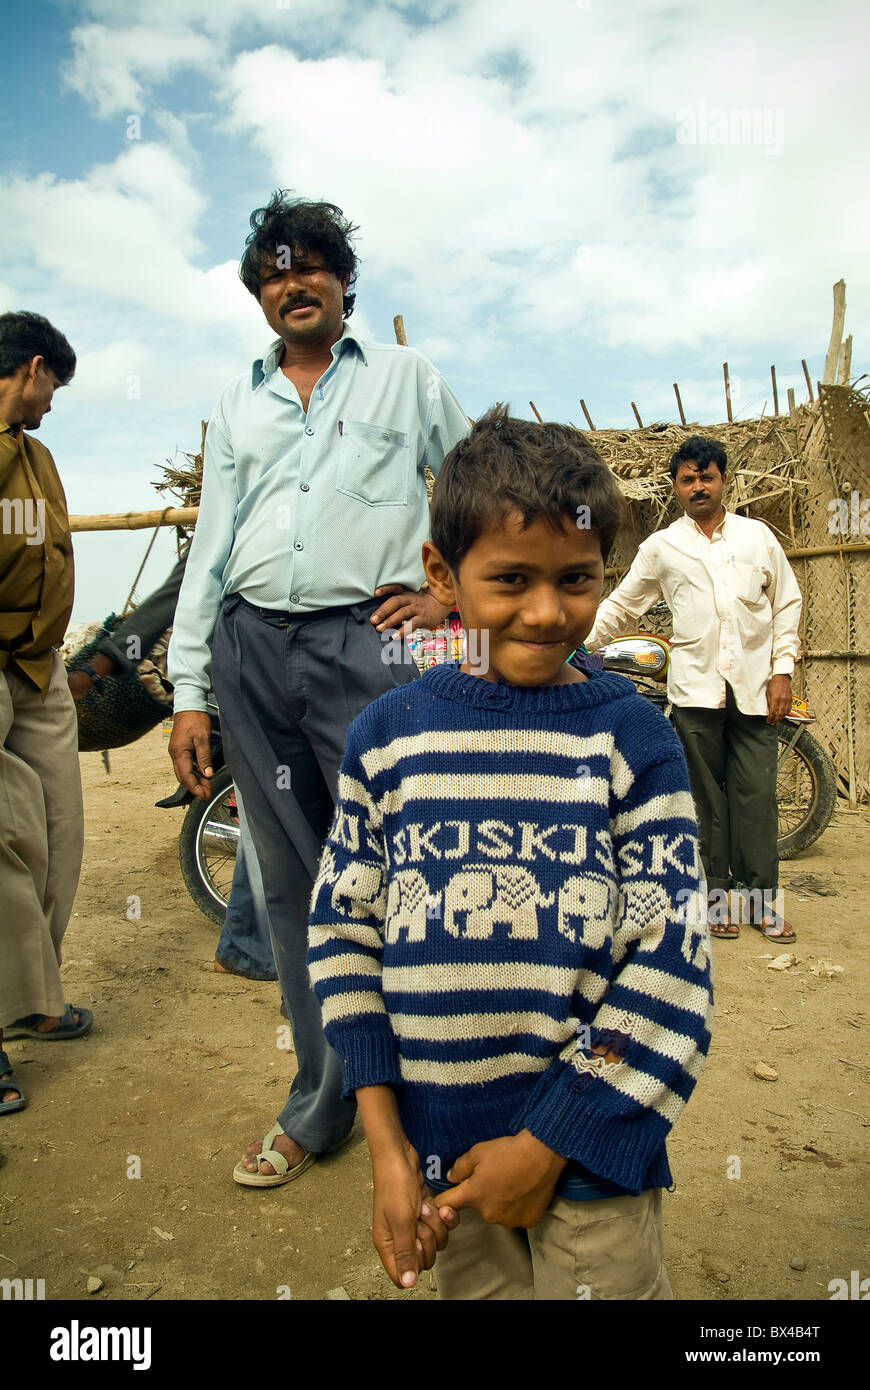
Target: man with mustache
x=307 y=546
x=736 y=605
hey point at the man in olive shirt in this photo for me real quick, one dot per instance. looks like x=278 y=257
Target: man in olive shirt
x=41 y=825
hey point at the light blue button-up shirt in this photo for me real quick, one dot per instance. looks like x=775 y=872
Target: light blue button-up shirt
x=308 y=510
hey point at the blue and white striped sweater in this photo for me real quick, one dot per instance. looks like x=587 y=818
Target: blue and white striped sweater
x=508 y=924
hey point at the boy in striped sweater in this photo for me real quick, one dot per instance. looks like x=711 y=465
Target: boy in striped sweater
x=508 y=932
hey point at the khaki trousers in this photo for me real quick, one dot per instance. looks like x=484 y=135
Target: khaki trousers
x=41 y=839
x=607 y=1249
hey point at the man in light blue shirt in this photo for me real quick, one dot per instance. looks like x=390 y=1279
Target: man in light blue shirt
x=307 y=547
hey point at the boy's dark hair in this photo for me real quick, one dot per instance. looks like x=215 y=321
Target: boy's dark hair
x=300 y=226
x=701 y=451
x=24 y=336
x=543 y=471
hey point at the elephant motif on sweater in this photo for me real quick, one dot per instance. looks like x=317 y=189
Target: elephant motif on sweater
x=358 y=887
x=407 y=901
x=481 y=897
x=586 y=909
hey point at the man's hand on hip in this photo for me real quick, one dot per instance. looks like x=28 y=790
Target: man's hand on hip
x=778 y=698
x=406 y=605
x=190 y=751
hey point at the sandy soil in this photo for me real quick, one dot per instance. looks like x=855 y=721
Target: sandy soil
x=182 y=1070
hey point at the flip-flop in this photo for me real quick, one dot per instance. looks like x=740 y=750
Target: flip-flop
x=283 y=1172
x=64 y=1029
x=778 y=938
x=718 y=929
x=9 y=1084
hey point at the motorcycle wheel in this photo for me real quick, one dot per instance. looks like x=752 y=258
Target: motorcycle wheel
x=207 y=847
x=806 y=792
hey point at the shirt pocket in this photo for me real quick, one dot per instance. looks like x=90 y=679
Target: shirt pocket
x=748 y=581
x=374 y=464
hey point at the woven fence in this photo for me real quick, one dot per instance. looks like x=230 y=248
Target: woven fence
x=806 y=475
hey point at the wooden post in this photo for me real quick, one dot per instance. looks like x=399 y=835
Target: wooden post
x=637 y=416
x=727 y=392
x=537 y=412
x=807 y=378
x=829 y=375
x=586 y=413
x=399 y=330
x=679 y=404
x=775 y=393
x=791 y=404
x=845 y=362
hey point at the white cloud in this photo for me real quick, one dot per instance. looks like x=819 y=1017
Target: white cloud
x=111 y=66
x=124 y=233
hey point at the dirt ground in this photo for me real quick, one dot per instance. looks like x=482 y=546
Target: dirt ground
x=182 y=1071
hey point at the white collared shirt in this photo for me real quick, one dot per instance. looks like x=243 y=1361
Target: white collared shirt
x=735 y=604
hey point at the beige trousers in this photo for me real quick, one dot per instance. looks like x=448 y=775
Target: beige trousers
x=41 y=839
x=607 y=1249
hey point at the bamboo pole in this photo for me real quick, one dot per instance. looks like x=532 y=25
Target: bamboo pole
x=775 y=392
x=586 y=413
x=845 y=362
x=399 y=330
x=801 y=554
x=727 y=392
x=807 y=376
x=537 y=412
x=791 y=404
x=829 y=375
x=679 y=404
x=637 y=416
x=134 y=521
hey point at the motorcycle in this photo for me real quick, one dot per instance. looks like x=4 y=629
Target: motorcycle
x=806 y=779
x=209 y=836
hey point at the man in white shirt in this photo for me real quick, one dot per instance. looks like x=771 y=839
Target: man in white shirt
x=736 y=606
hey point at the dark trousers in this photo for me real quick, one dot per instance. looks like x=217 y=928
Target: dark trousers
x=288 y=688
x=732 y=767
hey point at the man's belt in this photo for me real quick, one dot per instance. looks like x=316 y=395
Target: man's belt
x=278 y=618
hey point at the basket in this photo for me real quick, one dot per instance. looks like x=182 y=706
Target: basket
x=119 y=713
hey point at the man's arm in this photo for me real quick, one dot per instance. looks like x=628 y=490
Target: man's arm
x=445 y=420
x=200 y=597
x=786 y=604
x=631 y=598
x=444 y=424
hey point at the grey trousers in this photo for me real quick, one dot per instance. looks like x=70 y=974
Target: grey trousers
x=288 y=688
x=732 y=768
x=41 y=839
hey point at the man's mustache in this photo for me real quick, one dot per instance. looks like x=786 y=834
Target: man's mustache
x=291 y=304
x=700 y=497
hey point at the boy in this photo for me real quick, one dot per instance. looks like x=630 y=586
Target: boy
x=507 y=932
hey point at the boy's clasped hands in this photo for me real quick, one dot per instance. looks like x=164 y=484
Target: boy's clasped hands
x=509 y=1181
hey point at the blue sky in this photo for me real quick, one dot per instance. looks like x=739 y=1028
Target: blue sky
x=575 y=197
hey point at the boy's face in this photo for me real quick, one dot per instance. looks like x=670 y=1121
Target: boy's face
x=531 y=595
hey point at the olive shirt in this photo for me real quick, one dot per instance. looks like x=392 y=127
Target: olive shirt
x=36 y=556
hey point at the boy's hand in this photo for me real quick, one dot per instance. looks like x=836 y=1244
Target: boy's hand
x=509 y=1181
x=407 y=1229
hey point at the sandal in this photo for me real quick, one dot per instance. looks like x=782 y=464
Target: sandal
x=725 y=931
x=9 y=1084
x=73 y=1023
x=283 y=1172
x=785 y=937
